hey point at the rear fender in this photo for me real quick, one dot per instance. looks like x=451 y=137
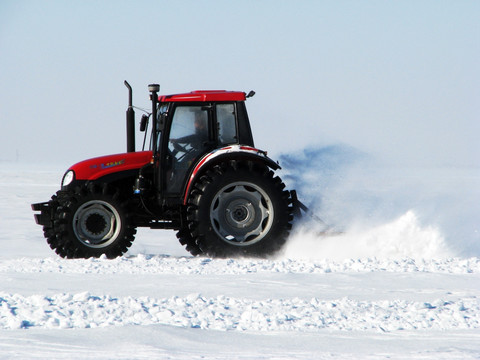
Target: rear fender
x=232 y=152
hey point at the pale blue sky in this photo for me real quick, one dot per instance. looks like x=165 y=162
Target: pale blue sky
x=397 y=79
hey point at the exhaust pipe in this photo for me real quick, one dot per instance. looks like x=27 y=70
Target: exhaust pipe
x=154 y=89
x=130 y=121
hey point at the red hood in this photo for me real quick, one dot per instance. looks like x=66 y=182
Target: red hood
x=95 y=168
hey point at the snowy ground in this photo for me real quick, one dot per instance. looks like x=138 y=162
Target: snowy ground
x=398 y=288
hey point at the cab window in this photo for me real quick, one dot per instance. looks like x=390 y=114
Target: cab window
x=227 y=127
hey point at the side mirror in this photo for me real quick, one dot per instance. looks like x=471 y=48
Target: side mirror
x=143 y=123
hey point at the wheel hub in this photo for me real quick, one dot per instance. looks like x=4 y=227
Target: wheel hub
x=96 y=223
x=241 y=213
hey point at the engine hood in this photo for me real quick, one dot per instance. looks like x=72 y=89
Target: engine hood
x=95 y=168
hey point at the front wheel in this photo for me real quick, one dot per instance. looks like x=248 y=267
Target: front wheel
x=239 y=209
x=91 y=222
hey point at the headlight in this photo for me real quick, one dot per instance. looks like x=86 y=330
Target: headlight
x=68 y=177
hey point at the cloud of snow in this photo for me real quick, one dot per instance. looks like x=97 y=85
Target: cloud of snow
x=381 y=210
x=402 y=238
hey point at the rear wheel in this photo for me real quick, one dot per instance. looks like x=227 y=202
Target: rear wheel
x=91 y=222
x=239 y=209
x=185 y=237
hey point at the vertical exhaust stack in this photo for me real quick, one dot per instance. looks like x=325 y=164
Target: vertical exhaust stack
x=154 y=89
x=130 y=121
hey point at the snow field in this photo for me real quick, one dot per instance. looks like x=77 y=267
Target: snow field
x=396 y=289
x=393 y=311
x=84 y=310
x=164 y=264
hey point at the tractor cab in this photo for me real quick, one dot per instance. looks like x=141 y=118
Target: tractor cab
x=190 y=126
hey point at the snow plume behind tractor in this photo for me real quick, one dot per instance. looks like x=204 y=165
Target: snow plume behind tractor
x=380 y=210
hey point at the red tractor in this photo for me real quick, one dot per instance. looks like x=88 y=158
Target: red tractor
x=201 y=176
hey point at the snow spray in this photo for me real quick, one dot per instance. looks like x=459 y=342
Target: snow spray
x=381 y=210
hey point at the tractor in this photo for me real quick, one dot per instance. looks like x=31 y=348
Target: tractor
x=198 y=173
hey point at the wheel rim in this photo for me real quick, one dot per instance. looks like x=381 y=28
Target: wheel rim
x=241 y=213
x=96 y=224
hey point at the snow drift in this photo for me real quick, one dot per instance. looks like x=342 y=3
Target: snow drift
x=223 y=313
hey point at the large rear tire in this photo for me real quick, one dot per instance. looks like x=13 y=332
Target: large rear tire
x=90 y=222
x=239 y=210
x=186 y=239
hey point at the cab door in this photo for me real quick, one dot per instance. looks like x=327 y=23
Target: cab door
x=190 y=136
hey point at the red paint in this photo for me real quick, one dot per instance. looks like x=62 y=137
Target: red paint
x=249 y=148
x=205 y=96
x=95 y=168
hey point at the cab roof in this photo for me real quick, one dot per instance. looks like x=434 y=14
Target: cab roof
x=204 y=96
